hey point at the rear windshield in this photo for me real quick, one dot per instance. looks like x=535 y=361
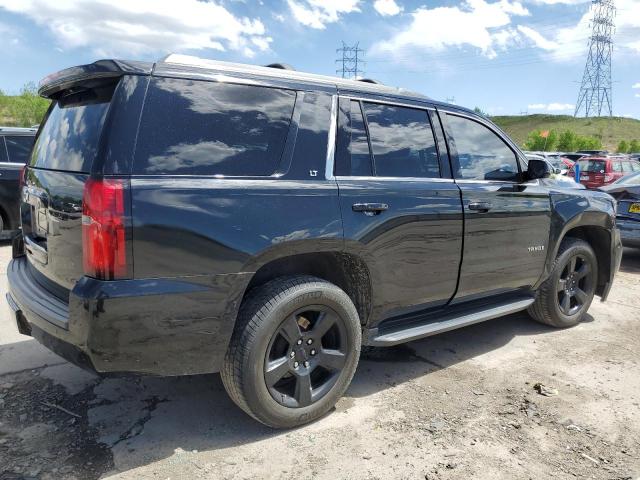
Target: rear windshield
x=592 y=166
x=69 y=138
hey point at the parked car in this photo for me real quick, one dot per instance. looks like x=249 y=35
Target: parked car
x=266 y=223
x=596 y=172
x=15 y=147
x=557 y=177
x=557 y=160
x=626 y=191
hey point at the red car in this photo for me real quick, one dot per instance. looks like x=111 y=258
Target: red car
x=596 y=172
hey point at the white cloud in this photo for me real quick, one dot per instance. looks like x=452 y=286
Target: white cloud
x=636 y=85
x=551 y=107
x=317 y=13
x=387 y=7
x=637 y=95
x=537 y=39
x=477 y=23
x=570 y=44
x=557 y=2
x=129 y=27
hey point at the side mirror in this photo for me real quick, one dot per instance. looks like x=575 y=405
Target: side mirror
x=538 y=169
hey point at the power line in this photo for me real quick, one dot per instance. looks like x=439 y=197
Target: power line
x=351 y=61
x=595 y=89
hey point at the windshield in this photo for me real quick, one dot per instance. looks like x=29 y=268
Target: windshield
x=592 y=166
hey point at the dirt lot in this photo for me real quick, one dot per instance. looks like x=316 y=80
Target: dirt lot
x=455 y=406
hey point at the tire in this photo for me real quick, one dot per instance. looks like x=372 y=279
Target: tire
x=274 y=377
x=564 y=298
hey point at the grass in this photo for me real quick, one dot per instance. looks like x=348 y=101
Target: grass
x=22 y=110
x=609 y=130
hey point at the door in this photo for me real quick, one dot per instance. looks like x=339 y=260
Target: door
x=507 y=223
x=399 y=214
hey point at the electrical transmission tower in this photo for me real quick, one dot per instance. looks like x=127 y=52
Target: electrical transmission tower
x=594 y=97
x=351 y=61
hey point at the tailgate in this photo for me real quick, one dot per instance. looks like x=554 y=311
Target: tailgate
x=51 y=210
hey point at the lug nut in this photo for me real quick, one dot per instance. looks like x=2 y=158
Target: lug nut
x=306 y=364
x=310 y=341
x=295 y=364
x=299 y=342
x=313 y=351
x=292 y=354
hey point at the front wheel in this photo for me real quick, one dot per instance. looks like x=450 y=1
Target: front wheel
x=564 y=298
x=293 y=352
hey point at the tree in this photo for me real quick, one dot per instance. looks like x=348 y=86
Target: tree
x=567 y=141
x=27 y=108
x=588 y=143
x=479 y=111
x=541 y=140
x=623 y=147
x=634 y=146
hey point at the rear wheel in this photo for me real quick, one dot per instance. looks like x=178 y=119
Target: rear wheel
x=564 y=298
x=294 y=351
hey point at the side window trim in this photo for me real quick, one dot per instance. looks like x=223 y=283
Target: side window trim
x=5 y=149
x=451 y=144
x=441 y=145
x=372 y=157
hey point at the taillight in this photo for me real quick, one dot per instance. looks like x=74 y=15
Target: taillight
x=104 y=249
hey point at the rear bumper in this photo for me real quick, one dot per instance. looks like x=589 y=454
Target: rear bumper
x=159 y=326
x=629 y=232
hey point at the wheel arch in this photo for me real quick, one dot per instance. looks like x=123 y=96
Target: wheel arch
x=347 y=271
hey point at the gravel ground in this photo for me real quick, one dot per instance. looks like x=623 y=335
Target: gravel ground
x=459 y=405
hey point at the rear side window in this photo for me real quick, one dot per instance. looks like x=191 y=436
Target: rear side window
x=402 y=141
x=617 y=166
x=207 y=128
x=482 y=155
x=19 y=148
x=69 y=138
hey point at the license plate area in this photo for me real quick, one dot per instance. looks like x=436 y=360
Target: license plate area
x=634 y=207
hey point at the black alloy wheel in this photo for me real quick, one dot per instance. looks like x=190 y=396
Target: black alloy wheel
x=305 y=356
x=574 y=285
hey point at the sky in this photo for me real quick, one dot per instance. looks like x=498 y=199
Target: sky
x=506 y=57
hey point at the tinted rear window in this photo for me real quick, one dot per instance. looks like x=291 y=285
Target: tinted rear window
x=208 y=128
x=19 y=148
x=592 y=166
x=69 y=138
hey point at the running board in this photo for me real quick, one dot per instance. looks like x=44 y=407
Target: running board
x=381 y=337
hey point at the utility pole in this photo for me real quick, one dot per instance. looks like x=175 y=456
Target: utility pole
x=595 y=95
x=349 y=66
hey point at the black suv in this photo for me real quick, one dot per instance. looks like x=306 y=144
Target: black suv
x=194 y=216
x=15 y=147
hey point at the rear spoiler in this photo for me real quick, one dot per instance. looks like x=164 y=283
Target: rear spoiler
x=96 y=71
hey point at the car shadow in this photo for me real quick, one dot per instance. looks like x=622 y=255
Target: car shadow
x=145 y=419
x=630 y=260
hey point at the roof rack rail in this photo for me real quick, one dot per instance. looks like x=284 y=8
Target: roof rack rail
x=369 y=80
x=282 y=66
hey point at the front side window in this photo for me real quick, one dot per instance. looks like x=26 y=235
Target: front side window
x=482 y=155
x=207 y=128
x=19 y=148
x=401 y=141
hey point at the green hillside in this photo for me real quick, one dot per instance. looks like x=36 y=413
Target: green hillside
x=609 y=130
x=22 y=110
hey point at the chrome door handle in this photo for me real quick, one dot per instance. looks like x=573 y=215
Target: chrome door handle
x=481 y=207
x=370 y=208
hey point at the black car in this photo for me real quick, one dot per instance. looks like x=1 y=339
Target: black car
x=263 y=223
x=626 y=191
x=15 y=147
